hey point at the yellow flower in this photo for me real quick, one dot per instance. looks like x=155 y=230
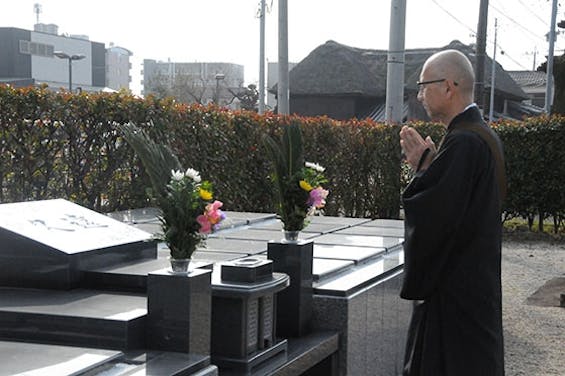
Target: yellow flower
x=205 y=195
x=304 y=185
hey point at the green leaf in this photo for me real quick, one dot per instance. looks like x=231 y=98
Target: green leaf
x=157 y=159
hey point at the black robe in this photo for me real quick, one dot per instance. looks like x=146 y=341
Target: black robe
x=452 y=258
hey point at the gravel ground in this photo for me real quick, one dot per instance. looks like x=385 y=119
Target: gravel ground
x=534 y=335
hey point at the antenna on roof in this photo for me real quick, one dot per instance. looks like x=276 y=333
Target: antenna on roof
x=37 y=10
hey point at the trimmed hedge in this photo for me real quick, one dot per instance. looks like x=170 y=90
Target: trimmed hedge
x=61 y=145
x=535 y=166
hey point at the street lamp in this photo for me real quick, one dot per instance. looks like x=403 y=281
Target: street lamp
x=70 y=58
x=219 y=77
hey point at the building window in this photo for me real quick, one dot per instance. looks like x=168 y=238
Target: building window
x=34 y=48
x=24 y=47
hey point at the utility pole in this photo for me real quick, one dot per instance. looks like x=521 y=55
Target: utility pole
x=549 y=79
x=395 y=63
x=480 y=55
x=282 y=87
x=493 y=74
x=262 y=58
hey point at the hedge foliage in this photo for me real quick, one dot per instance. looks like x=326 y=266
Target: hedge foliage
x=535 y=167
x=58 y=145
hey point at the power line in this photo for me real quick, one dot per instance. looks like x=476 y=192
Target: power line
x=511 y=58
x=534 y=14
x=455 y=18
x=503 y=14
x=474 y=32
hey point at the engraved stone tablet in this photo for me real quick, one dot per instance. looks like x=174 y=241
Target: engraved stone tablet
x=48 y=243
x=66 y=227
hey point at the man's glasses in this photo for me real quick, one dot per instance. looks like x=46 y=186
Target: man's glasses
x=421 y=84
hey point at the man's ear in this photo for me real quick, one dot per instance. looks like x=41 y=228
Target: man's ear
x=449 y=88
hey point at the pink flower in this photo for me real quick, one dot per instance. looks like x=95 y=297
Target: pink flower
x=211 y=217
x=317 y=197
x=205 y=225
x=213 y=212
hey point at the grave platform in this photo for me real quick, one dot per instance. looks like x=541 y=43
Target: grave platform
x=96 y=300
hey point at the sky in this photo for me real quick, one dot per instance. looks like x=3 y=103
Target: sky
x=228 y=30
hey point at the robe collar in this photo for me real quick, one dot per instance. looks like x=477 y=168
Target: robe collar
x=470 y=114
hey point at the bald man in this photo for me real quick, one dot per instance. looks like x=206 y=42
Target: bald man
x=452 y=245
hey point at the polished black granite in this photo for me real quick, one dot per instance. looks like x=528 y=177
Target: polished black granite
x=208 y=254
x=294 y=304
x=136 y=216
x=373 y=231
x=255 y=234
x=349 y=269
x=248 y=270
x=327 y=268
x=394 y=223
x=213 y=256
x=130 y=276
x=18 y=358
x=361 y=276
x=46 y=244
x=237 y=219
x=243 y=315
x=316 y=227
x=318 y=349
x=314 y=354
x=179 y=310
x=77 y=317
x=344 y=221
x=31 y=359
x=358 y=255
x=359 y=240
x=223 y=244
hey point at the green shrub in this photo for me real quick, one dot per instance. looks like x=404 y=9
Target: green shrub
x=58 y=145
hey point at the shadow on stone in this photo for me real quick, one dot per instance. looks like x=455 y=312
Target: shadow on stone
x=549 y=294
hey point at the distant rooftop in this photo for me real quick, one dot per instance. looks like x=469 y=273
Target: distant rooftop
x=528 y=78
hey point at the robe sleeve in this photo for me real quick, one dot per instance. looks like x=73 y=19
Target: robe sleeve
x=435 y=203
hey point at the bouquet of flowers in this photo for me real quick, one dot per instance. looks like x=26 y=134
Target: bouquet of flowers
x=298 y=184
x=188 y=212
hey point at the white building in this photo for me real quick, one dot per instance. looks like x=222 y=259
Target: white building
x=118 y=67
x=193 y=82
x=28 y=58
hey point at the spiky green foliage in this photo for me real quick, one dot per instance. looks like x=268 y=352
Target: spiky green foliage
x=287 y=156
x=157 y=159
x=179 y=200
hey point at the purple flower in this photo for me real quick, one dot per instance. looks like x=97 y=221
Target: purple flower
x=317 y=197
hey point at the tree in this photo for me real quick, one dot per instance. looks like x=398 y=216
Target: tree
x=184 y=88
x=558 y=106
x=248 y=97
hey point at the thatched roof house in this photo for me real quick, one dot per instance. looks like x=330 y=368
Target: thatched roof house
x=344 y=82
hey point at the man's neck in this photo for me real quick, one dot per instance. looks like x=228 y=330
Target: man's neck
x=457 y=110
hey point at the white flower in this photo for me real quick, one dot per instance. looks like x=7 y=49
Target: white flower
x=177 y=175
x=193 y=174
x=315 y=166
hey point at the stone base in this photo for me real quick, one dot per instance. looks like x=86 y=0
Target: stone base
x=255 y=364
x=179 y=311
x=294 y=304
